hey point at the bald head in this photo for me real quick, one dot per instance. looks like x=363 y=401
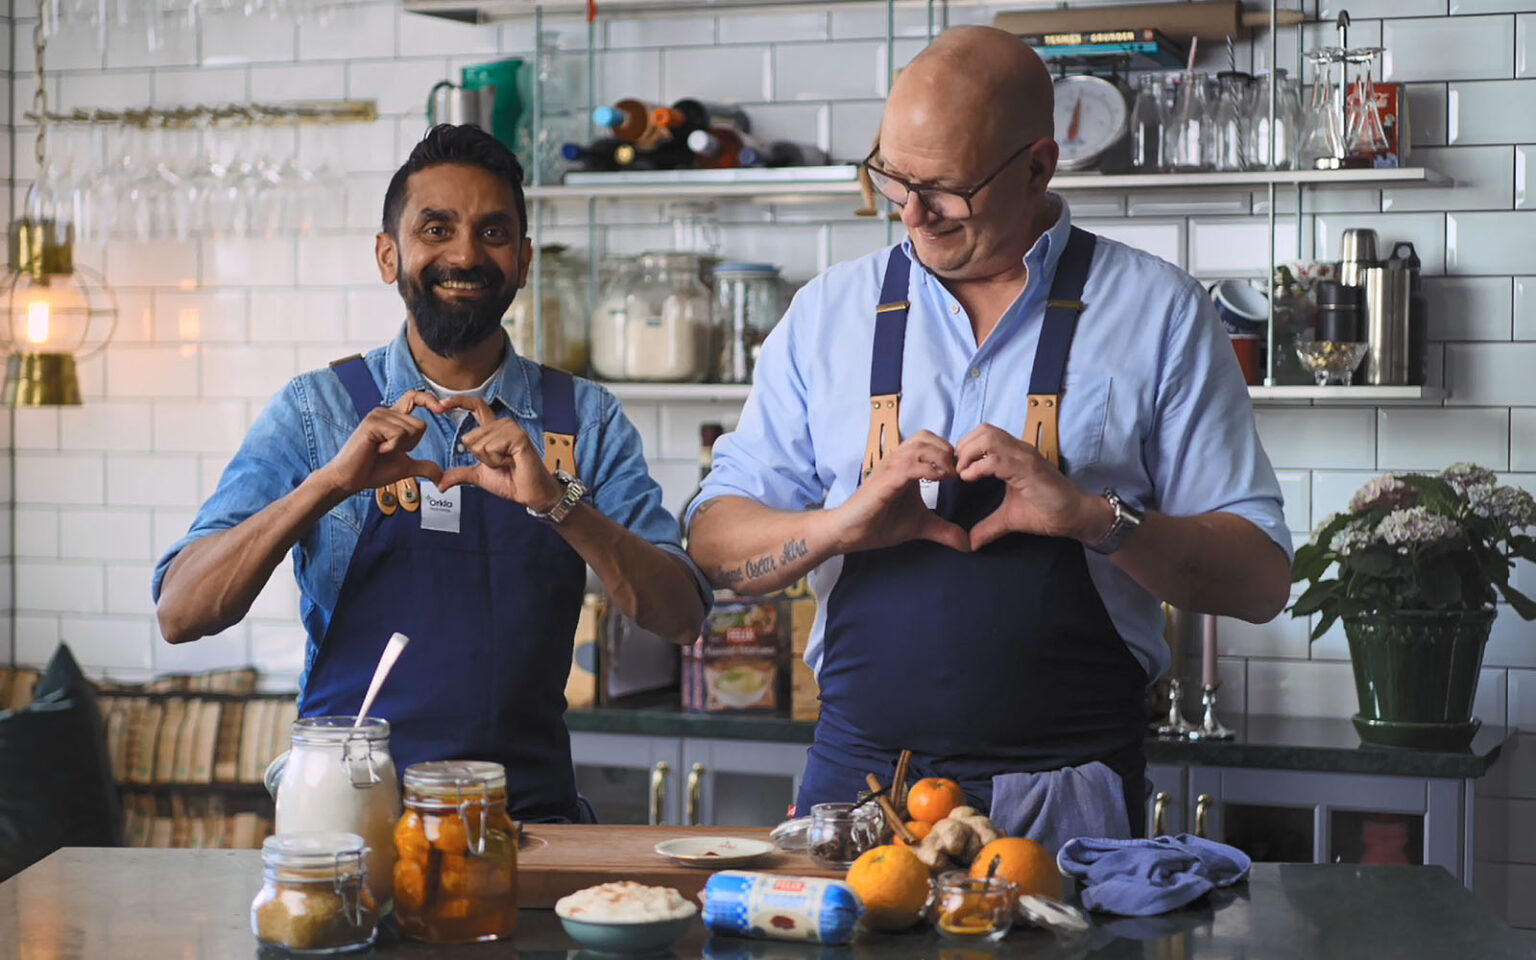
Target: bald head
x=981 y=85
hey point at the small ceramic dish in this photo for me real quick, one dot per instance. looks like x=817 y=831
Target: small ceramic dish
x=713 y=852
x=633 y=938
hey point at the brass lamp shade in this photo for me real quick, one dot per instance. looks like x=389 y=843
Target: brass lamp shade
x=41 y=380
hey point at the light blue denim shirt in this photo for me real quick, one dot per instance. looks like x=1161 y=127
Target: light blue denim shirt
x=309 y=421
x=1154 y=402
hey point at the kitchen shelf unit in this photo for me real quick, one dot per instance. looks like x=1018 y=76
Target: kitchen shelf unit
x=1362 y=395
x=754 y=186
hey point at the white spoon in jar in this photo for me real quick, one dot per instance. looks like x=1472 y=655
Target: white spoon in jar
x=386 y=662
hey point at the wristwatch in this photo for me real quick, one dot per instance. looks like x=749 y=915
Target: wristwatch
x=1127 y=519
x=574 y=491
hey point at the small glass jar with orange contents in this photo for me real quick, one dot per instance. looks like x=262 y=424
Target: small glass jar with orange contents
x=456 y=849
x=972 y=908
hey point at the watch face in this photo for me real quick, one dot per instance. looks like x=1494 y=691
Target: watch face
x=1091 y=116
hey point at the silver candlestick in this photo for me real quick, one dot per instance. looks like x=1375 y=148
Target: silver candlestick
x=1210 y=728
x=1174 y=726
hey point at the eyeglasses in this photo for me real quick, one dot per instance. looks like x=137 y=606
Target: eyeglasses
x=941 y=201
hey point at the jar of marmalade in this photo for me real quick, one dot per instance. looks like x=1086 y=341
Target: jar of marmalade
x=314 y=899
x=456 y=854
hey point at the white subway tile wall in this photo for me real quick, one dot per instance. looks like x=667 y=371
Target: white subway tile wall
x=209 y=330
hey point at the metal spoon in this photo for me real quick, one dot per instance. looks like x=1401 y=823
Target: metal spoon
x=386 y=661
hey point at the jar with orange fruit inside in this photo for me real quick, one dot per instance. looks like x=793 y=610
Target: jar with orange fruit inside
x=972 y=908
x=456 y=846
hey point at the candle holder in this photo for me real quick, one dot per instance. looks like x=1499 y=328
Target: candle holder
x=1210 y=728
x=1174 y=726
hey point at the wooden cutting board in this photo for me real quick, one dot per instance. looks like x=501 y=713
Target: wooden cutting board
x=556 y=860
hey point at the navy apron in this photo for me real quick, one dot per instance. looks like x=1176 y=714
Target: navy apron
x=999 y=661
x=491 y=612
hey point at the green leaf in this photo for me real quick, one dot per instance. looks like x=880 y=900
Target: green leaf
x=1373 y=561
x=1311 y=562
x=1440 y=585
x=1323 y=623
x=1435 y=494
x=1520 y=603
x=1313 y=599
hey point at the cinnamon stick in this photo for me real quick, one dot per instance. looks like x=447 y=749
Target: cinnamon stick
x=899 y=781
x=891 y=816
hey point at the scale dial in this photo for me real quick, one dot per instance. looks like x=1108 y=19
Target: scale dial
x=1091 y=117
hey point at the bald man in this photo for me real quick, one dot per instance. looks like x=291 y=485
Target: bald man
x=1024 y=438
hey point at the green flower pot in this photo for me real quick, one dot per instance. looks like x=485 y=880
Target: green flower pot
x=1416 y=674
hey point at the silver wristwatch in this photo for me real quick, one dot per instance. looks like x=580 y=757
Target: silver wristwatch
x=574 y=491
x=1127 y=519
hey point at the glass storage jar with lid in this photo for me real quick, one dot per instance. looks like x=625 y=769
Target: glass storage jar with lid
x=340 y=777
x=563 y=290
x=746 y=308
x=314 y=899
x=456 y=875
x=656 y=327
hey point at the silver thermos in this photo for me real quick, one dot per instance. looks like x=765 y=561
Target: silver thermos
x=1394 y=319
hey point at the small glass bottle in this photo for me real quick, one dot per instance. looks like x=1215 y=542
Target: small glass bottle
x=456 y=872
x=1147 y=123
x=314 y=899
x=1229 y=121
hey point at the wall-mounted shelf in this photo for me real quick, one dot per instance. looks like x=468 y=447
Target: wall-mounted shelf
x=503 y=11
x=737 y=392
x=621 y=187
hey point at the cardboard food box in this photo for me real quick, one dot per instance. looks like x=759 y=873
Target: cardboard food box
x=1392 y=107
x=738 y=663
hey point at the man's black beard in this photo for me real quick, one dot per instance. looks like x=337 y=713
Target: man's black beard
x=450 y=328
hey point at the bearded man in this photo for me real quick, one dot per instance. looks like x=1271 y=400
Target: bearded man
x=446 y=488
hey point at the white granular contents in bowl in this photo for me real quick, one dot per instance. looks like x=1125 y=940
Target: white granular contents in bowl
x=624 y=901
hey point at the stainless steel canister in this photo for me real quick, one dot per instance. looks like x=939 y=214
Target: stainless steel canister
x=1388 y=292
x=1357 y=251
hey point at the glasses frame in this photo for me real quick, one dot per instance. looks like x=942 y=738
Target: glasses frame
x=921 y=189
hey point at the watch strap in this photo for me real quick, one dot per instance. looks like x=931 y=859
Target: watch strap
x=1127 y=519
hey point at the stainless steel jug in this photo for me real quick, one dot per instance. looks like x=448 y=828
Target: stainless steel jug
x=450 y=103
x=1394 y=320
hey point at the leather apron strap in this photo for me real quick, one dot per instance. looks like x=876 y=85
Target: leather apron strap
x=885 y=367
x=559 y=390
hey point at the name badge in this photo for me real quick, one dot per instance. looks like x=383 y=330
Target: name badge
x=439 y=510
x=930 y=492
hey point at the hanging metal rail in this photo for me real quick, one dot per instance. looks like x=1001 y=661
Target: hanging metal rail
x=221 y=115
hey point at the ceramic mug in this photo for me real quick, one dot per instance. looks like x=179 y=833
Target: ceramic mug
x=1241 y=307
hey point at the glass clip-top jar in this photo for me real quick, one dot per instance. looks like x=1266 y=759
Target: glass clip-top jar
x=456 y=871
x=655 y=327
x=563 y=294
x=314 y=897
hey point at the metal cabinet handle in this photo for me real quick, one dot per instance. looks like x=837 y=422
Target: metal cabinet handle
x=695 y=786
x=1202 y=807
x=659 y=790
x=1160 y=813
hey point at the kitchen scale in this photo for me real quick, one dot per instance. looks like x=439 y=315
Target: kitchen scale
x=1093 y=128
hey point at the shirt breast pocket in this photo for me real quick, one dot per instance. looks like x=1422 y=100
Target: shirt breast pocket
x=1084 y=414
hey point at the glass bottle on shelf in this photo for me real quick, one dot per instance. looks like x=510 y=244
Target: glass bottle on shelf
x=563 y=292
x=1189 y=137
x=655 y=327
x=1277 y=152
x=1147 y=123
x=1322 y=139
x=1228 y=118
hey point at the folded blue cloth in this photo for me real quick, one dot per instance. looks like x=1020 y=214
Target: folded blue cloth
x=1141 y=878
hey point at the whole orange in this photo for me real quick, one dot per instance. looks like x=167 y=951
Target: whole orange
x=931 y=798
x=893 y=884
x=1029 y=865
x=919 y=828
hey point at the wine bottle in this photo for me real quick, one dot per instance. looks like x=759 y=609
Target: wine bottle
x=598 y=155
x=688 y=115
x=708 y=434
x=631 y=121
x=667 y=155
x=719 y=147
x=783 y=153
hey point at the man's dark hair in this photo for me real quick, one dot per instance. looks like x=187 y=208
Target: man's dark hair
x=466 y=144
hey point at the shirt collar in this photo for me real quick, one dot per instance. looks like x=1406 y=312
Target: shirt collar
x=512 y=386
x=1044 y=255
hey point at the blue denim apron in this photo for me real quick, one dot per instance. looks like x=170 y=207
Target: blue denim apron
x=491 y=612
x=999 y=661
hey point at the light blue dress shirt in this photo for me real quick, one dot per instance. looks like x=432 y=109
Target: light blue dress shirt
x=1154 y=403
x=309 y=421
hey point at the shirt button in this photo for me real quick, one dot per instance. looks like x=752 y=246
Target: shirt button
x=975 y=373
x=459 y=447
x=954 y=308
